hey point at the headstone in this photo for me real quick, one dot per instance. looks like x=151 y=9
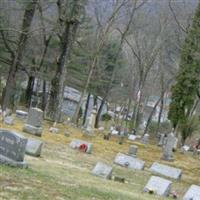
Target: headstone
x=9 y=120
x=34 y=122
x=129 y=162
x=91 y=122
x=12 y=148
x=132 y=137
x=161 y=140
x=159 y=186
x=102 y=170
x=34 y=147
x=193 y=193
x=54 y=130
x=145 y=139
x=115 y=132
x=168 y=147
x=81 y=146
x=21 y=114
x=185 y=148
x=133 y=150
x=165 y=170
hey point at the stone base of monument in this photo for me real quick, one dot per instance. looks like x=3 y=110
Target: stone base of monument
x=32 y=130
x=159 y=186
x=12 y=163
x=34 y=147
x=102 y=170
x=167 y=158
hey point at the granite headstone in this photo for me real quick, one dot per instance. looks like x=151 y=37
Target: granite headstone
x=34 y=147
x=193 y=193
x=102 y=170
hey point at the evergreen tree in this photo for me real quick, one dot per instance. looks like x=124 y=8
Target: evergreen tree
x=184 y=92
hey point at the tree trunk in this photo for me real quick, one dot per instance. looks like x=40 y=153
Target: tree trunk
x=29 y=90
x=99 y=113
x=44 y=96
x=86 y=109
x=57 y=83
x=10 y=83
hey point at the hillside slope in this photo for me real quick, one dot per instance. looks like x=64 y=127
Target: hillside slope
x=62 y=173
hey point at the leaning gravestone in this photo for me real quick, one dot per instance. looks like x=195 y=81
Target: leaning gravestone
x=81 y=146
x=168 y=147
x=12 y=149
x=193 y=193
x=34 y=122
x=34 y=147
x=165 y=170
x=133 y=150
x=102 y=170
x=129 y=162
x=159 y=186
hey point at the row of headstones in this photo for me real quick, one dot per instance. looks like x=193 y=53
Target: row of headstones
x=13 y=147
x=157 y=185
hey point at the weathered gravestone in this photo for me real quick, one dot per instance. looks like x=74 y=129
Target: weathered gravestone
x=81 y=146
x=159 y=186
x=168 y=147
x=12 y=148
x=91 y=122
x=132 y=137
x=193 y=193
x=34 y=147
x=34 y=122
x=145 y=139
x=21 y=114
x=133 y=150
x=129 y=162
x=9 y=120
x=165 y=170
x=102 y=170
x=161 y=139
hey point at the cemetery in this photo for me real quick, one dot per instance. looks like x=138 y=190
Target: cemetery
x=99 y=99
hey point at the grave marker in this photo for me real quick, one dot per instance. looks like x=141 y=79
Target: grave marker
x=102 y=170
x=12 y=148
x=159 y=186
x=165 y=170
x=34 y=147
x=81 y=146
x=193 y=193
x=129 y=162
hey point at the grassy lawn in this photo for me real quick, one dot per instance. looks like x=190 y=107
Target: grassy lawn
x=62 y=173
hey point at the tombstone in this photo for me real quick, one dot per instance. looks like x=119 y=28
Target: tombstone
x=193 y=193
x=91 y=122
x=168 y=147
x=132 y=137
x=9 y=120
x=12 y=148
x=81 y=146
x=34 y=122
x=159 y=186
x=54 y=130
x=102 y=170
x=175 y=144
x=21 y=114
x=133 y=150
x=34 y=147
x=165 y=170
x=145 y=139
x=161 y=139
x=129 y=162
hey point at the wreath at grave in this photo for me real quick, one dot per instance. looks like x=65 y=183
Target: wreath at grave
x=83 y=147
